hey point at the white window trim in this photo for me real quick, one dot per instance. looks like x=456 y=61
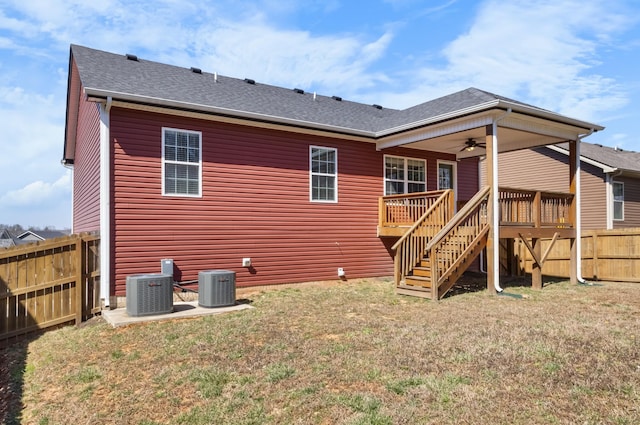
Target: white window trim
x=455 y=178
x=613 y=201
x=335 y=176
x=406 y=180
x=454 y=167
x=199 y=163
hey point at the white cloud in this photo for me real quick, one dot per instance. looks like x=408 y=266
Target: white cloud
x=290 y=58
x=542 y=52
x=545 y=52
x=230 y=38
x=38 y=192
x=33 y=129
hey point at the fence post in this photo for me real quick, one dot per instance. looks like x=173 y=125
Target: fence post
x=79 y=305
x=594 y=255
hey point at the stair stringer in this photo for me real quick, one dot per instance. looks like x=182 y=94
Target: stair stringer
x=463 y=263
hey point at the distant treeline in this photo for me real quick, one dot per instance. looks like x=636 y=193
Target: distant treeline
x=16 y=229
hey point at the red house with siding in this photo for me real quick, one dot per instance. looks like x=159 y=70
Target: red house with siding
x=204 y=169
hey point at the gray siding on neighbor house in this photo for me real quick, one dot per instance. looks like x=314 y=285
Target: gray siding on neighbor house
x=631 y=203
x=546 y=169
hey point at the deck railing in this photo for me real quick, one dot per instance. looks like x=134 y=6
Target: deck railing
x=451 y=245
x=405 y=209
x=410 y=248
x=529 y=208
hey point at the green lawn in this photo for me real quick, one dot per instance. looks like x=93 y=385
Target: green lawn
x=347 y=353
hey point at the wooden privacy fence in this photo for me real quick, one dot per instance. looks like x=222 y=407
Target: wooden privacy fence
x=48 y=283
x=606 y=255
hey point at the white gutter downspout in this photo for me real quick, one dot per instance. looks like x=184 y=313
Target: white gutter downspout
x=495 y=225
x=105 y=203
x=579 y=210
x=71 y=171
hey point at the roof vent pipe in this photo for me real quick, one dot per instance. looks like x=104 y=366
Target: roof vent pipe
x=314 y=96
x=215 y=77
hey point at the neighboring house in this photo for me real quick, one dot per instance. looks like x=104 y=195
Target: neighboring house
x=207 y=170
x=40 y=235
x=610 y=180
x=7 y=240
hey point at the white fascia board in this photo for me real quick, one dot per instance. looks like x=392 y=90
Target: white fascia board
x=460 y=113
x=536 y=125
x=552 y=116
x=605 y=168
x=433 y=131
x=439 y=118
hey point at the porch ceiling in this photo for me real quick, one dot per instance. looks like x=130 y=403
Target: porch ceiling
x=516 y=131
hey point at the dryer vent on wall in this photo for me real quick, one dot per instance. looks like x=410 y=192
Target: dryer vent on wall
x=149 y=294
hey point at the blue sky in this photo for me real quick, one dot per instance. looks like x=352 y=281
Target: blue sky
x=576 y=57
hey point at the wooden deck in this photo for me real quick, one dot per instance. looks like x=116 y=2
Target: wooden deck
x=523 y=213
x=436 y=243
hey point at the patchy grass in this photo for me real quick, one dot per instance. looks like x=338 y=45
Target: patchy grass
x=348 y=353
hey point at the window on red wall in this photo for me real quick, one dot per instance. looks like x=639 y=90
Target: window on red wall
x=181 y=162
x=404 y=175
x=323 y=174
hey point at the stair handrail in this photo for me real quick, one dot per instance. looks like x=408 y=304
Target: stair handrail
x=460 y=215
x=437 y=277
x=422 y=218
x=410 y=248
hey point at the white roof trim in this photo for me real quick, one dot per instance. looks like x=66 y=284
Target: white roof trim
x=460 y=113
x=437 y=130
x=91 y=92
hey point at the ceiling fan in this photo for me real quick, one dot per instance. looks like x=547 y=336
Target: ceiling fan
x=471 y=144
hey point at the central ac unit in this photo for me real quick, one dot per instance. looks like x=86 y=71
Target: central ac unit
x=216 y=288
x=149 y=294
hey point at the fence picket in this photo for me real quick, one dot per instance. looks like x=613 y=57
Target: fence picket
x=606 y=255
x=48 y=283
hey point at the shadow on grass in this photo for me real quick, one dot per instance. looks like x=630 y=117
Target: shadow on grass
x=477 y=282
x=13 y=366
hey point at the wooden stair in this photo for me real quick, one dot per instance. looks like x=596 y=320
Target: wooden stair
x=419 y=282
x=444 y=257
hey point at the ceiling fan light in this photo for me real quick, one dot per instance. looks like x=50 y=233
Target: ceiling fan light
x=469 y=148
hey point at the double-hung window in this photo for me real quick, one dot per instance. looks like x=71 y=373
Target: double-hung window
x=404 y=175
x=618 y=200
x=323 y=171
x=181 y=162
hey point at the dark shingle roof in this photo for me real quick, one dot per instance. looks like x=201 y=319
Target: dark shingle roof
x=8 y=240
x=43 y=234
x=157 y=83
x=612 y=157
